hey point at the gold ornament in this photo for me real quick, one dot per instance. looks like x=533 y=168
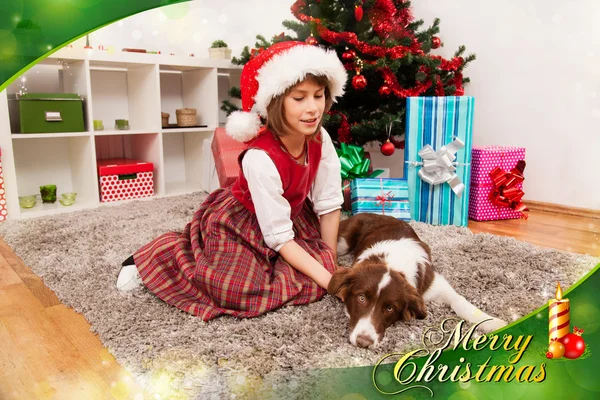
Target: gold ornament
x=557 y=349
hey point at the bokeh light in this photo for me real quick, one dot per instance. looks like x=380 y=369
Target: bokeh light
x=174 y=11
x=9 y=43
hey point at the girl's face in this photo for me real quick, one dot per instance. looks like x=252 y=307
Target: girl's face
x=303 y=108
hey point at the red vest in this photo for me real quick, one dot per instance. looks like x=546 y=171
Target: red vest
x=296 y=179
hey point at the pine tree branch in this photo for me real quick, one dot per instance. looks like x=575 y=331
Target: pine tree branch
x=244 y=57
x=229 y=107
x=235 y=92
x=261 y=42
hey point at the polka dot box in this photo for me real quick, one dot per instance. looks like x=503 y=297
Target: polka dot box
x=122 y=179
x=484 y=160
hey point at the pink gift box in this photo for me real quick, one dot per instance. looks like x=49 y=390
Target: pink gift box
x=482 y=209
x=484 y=160
x=226 y=151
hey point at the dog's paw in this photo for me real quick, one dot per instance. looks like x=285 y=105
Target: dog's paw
x=492 y=325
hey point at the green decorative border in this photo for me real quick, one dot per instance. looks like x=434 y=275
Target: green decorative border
x=28 y=27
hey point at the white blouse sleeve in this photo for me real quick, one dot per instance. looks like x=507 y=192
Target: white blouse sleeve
x=272 y=209
x=326 y=192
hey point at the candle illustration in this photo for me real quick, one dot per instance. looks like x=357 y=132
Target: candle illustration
x=559 y=319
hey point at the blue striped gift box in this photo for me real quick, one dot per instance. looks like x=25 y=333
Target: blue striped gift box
x=437 y=121
x=364 y=193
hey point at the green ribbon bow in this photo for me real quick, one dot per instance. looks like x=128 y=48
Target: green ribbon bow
x=354 y=163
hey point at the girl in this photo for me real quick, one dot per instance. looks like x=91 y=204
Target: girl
x=270 y=239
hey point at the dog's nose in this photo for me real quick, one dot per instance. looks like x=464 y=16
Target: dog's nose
x=364 y=341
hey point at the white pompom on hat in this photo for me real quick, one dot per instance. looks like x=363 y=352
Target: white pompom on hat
x=272 y=72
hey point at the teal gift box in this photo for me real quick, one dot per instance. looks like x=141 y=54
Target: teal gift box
x=385 y=196
x=439 y=133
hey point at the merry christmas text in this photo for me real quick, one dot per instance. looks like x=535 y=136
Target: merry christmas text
x=408 y=373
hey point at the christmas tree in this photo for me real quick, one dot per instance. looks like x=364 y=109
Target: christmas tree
x=388 y=58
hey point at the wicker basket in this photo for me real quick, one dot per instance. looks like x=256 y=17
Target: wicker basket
x=186 y=117
x=165 y=119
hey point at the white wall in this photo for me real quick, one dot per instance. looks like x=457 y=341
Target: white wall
x=191 y=27
x=536 y=81
x=536 y=78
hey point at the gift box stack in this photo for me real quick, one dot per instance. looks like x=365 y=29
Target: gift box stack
x=496 y=183
x=355 y=163
x=226 y=151
x=385 y=196
x=3 y=210
x=439 y=134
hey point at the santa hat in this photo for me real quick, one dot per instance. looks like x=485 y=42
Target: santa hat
x=272 y=72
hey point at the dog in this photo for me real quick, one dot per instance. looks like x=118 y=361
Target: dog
x=391 y=279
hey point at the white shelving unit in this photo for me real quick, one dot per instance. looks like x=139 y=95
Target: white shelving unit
x=131 y=86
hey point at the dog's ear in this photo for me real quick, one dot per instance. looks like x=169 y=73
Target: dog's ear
x=341 y=282
x=414 y=308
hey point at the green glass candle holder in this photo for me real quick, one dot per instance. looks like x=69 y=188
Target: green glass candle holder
x=48 y=193
x=121 y=124
x=27 y=201
x=67 y=199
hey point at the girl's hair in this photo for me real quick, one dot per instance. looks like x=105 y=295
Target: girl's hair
x=275 y=113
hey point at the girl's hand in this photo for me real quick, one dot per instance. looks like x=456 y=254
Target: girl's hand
x=298 y=258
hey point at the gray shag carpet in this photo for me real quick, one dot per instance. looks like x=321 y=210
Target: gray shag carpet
x=78 y=255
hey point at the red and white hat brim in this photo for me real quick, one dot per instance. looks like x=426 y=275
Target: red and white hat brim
x=284 y=69
x=291 y=67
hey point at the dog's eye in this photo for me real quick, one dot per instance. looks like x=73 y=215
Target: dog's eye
x=362 y=298
x=390 y=309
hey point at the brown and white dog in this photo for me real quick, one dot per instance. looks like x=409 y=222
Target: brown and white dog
x=391 y=279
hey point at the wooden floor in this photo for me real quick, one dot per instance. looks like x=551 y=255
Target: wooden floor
x=48 y=352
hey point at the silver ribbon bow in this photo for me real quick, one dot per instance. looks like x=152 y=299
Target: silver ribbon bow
x=439 y=166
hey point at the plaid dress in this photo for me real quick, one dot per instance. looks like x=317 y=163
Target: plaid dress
x=220 y=264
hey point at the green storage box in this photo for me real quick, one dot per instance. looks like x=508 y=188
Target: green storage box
x=51 y=112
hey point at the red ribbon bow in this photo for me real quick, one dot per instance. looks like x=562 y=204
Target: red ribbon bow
x=577 y=331
x=384 y=198
x=256 y=52
x=505 y=193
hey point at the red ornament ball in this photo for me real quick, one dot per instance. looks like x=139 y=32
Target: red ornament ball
x=459 y=92
x=359 y=82
x=397 y=52
x=549 y=354
x=349 y=55
x=436 y=42
x=312 y=40
x=387 y=149
x=358 y=13
x=574 y=345
x=385 y=90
